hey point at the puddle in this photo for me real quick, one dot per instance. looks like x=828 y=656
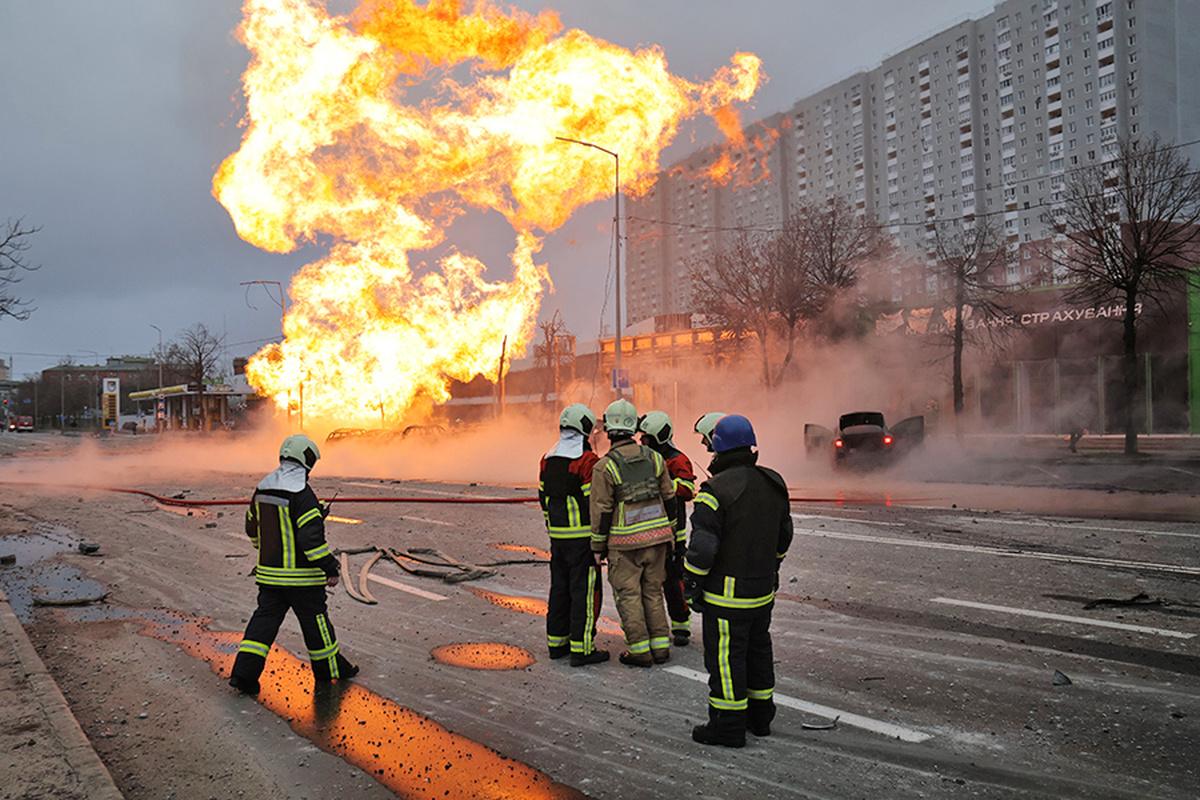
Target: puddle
x=536 y=607
x=483 y=655
x=407 y=752
x=523 y=548
x=38 y=576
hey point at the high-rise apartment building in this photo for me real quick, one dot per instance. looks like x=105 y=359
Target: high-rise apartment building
x=985 y=117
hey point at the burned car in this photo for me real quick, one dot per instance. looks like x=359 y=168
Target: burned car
x=864 y=438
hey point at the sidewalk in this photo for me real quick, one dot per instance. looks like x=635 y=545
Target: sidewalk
x=1165 y=447
x=43 y=751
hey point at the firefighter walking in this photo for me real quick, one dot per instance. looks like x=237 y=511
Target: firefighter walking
x=286 y=524
x=741 y=530
x=632 y=507
x=564 y=491
x=657 y=434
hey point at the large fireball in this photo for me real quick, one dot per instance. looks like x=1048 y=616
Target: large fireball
x=374 y=132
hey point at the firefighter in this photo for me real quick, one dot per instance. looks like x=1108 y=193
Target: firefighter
x=741 y=530
x=705 y=425
x=657 y=435
x=286 y=524
x=576 y=591
x=632 y=508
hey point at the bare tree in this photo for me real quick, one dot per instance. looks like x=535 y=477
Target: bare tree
x=774 y=284
x=971 y=257
x=15 y=242
x=736 y=290
x=1128 y=231
x=194 y=357
x=557 y=349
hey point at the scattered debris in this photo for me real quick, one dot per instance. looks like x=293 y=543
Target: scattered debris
x=8 y=559
x=820 y=726
x=236 y=555
x=952 y=530
x=89 y=548
x=872 y=678
x=1060 y=679
x=1139 y=599
x=348 y=582
x=365 y=573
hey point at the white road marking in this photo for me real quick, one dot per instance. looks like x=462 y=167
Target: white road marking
x=1179 y=569
x=406 y=588
x=1053 y=475
x=1185 y=471
x=851 y=521
x=1082 y=525
x=429 y=521
x=844 y=717
x=1099 y=623
x=365 y=485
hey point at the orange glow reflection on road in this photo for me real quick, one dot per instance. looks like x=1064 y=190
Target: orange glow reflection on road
x=483 y=655
x=537 y=607
x=343 y=520
x=523 y=548
x=408 y=753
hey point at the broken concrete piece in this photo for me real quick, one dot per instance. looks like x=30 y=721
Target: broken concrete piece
x=1060 y=679
x=89 y=548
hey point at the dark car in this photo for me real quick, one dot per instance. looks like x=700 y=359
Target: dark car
x=864 y=438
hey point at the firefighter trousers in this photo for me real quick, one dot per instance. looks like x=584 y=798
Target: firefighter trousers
x=576 y=594
x=738 y=656
x=637 y=579
x=308 y=603
x=677 y=607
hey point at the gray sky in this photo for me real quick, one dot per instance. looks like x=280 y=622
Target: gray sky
x=115 y=115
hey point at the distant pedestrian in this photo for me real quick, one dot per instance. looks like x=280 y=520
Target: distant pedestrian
x=632 y=507
x=286 y=524
x=741 y=530
x=576 y=589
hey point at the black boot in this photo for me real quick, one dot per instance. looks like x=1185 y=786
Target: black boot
x=682 y=638
x=560 y=652
x=594 y=657
x=725 y=728
x=759 y=716
x=243 y=685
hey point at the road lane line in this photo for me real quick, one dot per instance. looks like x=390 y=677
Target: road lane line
x=850 y=521
x=1043 y=470
x=1083 y=526
x=1185 y=471
x=1099 y=623
x=844 y=717
x=429 y=521
x=822 y=533
x=406 y=588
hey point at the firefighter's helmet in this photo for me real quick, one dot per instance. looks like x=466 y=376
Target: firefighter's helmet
x=705 y=426
x=301 y=449
x=733 y=432
x=656 y=425
x=621 y=417
x=577 y=417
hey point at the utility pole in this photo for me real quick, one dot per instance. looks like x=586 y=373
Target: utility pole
x=616 y=251
x=159 y=357
x=281 y=301
x=500 y=375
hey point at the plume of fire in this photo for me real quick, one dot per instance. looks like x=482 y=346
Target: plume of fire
x=374 y=131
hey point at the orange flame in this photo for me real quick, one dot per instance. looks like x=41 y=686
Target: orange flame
x=375 y=131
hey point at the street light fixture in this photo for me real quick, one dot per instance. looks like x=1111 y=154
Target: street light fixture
x=159 y=356
x=616 y=250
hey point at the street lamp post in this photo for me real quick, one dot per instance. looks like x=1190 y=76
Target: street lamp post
x=282 y=302
x=616 y=250
x=160 y=354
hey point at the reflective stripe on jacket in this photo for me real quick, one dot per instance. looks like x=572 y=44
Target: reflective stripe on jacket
x=634 y=525
x=564 y=491
x=288 y=530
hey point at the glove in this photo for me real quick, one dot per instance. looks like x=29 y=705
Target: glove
x=693 y=592
x=680 y=552
x=598 y=556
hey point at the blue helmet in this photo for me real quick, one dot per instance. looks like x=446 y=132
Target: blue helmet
x=732 y=432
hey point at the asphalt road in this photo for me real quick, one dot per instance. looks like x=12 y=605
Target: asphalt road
x=933 y=633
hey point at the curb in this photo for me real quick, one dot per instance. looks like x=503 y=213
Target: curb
x=77 y=749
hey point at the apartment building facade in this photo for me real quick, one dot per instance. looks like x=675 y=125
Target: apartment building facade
x=985 y=117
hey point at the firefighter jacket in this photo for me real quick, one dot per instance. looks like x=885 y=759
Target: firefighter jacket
x=683 y=478
x=632 y=487
x=565 y=487
x=286 y=523
x=741 y=530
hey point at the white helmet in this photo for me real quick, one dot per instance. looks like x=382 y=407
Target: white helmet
x=706 y=424
x=621 y=417
x=577 y=417
x=301 y=449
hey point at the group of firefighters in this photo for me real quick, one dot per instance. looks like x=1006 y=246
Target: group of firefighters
x=627 y=508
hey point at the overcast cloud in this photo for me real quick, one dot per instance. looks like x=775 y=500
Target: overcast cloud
x=114 y=115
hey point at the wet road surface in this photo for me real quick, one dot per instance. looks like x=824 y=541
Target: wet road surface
x=933 y=634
